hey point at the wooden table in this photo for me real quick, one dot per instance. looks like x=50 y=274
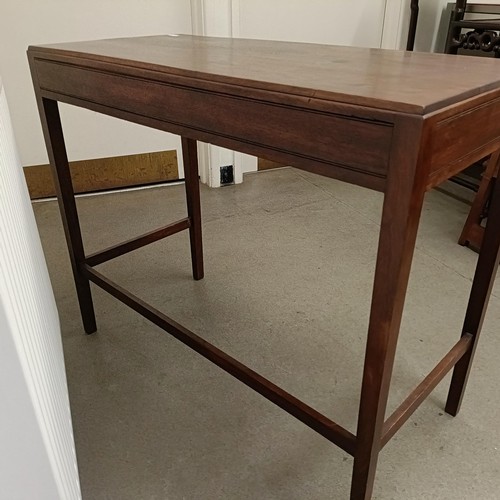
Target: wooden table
x=392 y=121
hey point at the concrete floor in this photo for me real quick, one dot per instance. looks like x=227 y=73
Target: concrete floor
x=289 y=261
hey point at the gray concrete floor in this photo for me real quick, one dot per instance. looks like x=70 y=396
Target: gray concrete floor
x=289 y=262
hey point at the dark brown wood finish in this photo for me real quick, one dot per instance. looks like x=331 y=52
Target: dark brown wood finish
x=190 y=155
x=58 y=158
x=230 y=117
x=478 y=142
x=393 y=121
x=137 y=242
x=486 y=270
x=403 y=200
x=418 y=395
x=473 y=231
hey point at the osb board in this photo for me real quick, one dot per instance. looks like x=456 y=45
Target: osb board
x=106 y=173
x=268 y=164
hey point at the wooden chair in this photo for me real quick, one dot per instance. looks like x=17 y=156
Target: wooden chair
x=464 y=33
x=412 y=30
x=473 y=231
x=473 y=34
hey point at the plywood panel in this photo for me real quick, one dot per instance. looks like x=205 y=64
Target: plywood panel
x=107 y=173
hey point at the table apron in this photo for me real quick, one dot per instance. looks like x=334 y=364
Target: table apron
x=464 y=138
x=346 y=147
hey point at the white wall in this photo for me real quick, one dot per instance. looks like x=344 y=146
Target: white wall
x=341 y=22
x=89 y=135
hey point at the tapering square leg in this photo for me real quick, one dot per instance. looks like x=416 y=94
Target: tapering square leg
x=51 y=122
x=400 y=216
x=486 y=270
x=190 y=156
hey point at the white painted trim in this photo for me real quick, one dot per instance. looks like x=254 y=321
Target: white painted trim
x=235 y=18
x=243 y=163
x=203 y=163
x=222 y=18
x=216 y=18
x=37 y=452
x=394 y=24
x=197 y=25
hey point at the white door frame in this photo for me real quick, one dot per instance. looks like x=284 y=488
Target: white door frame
x=218 y=18
x=395 y=24
x=222 y=18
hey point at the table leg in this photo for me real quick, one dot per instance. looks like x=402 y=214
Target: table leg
x=190 y=157
x=400 y=216
x=486 y=270
x=56 y=148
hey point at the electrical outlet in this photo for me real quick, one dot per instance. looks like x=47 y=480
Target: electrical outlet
x=226 y=175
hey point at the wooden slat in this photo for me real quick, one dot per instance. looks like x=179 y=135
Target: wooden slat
x=312 y=418
x=135 y=243
x=192 y=185
x=482 y=284
x=106 y=173
x=413 y=401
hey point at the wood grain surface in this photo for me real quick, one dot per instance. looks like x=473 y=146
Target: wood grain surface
x=412 y=82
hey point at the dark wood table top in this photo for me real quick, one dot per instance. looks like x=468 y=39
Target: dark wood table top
x=409 y=82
